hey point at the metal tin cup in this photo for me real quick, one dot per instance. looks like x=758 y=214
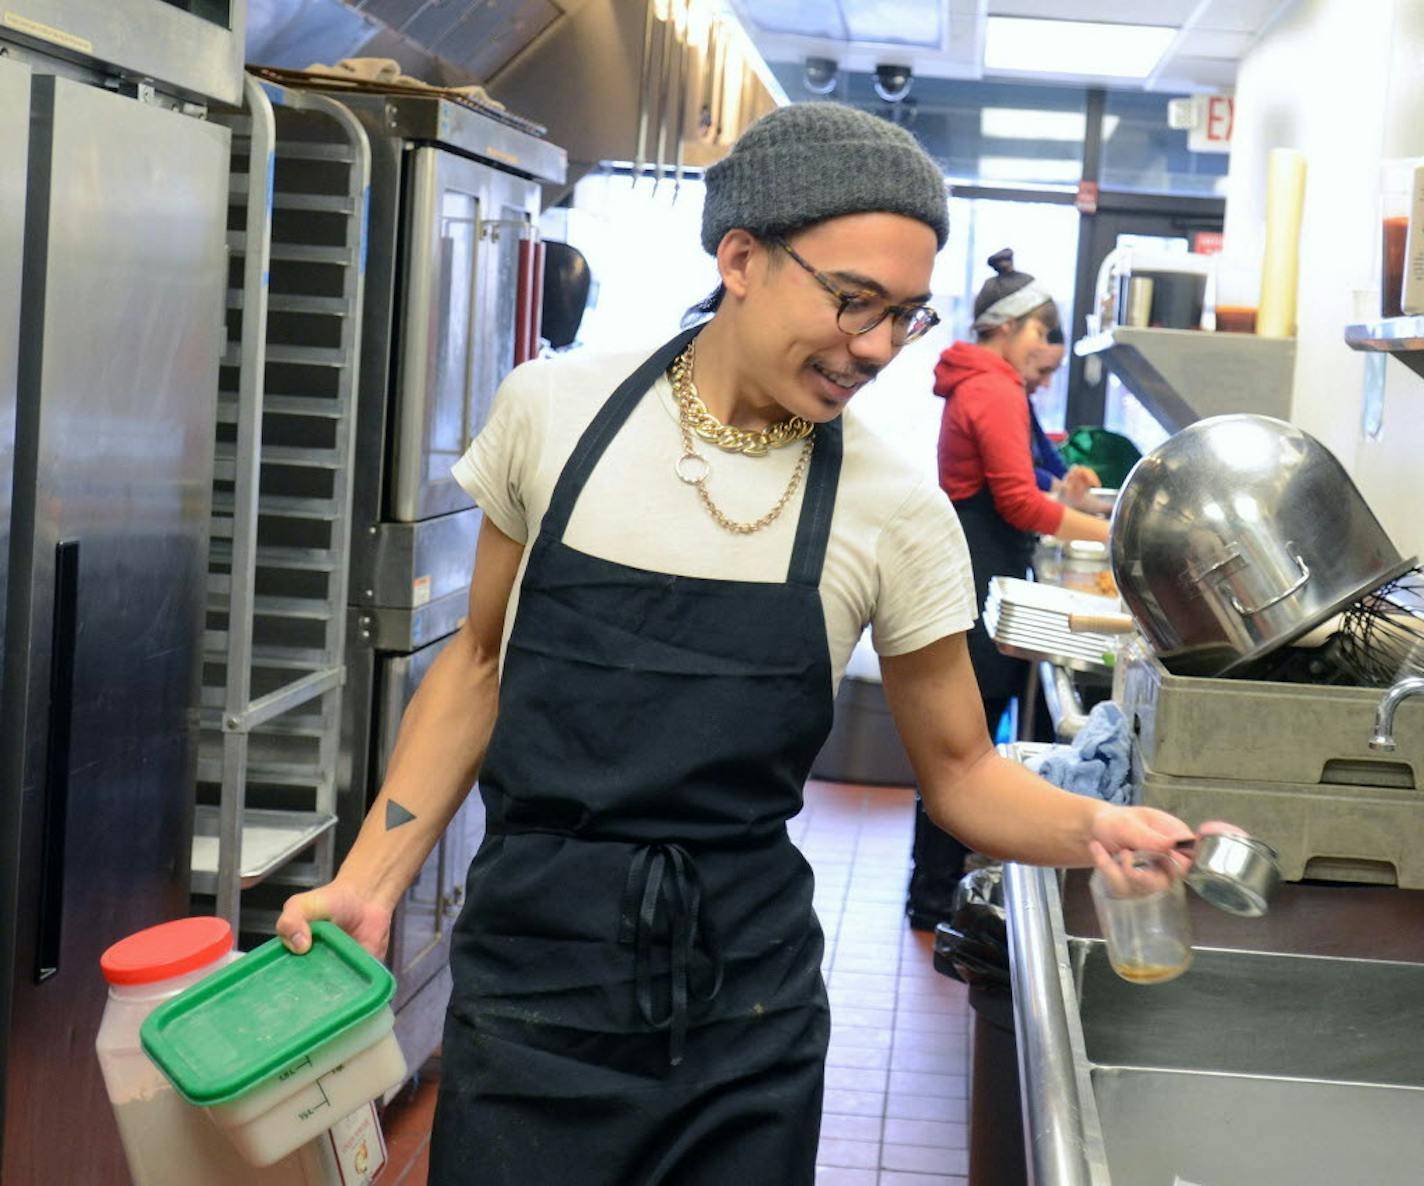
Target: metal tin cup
x=1234 y=872
x=1143 y=916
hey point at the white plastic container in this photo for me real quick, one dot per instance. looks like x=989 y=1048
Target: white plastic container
x=301 y=1101
x=169 y=1142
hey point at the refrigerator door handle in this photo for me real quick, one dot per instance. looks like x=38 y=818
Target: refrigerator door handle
x=56 y=784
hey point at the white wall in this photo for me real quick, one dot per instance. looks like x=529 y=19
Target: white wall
x=1343 y=81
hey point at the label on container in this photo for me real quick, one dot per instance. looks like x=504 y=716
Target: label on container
x=420 y=591
x=1411 y=296
x=357 y=1147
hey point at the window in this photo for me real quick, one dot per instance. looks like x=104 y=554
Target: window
x=1141 y=154
x=644 y=251
x=1044 y=238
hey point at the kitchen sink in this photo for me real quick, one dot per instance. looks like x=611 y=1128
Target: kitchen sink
x=1164 y=1127
x=1290 y=1053
x=1255 y=1013
x=1257 y=1069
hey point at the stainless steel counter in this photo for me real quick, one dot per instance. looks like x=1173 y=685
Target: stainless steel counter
x=1292 y=1052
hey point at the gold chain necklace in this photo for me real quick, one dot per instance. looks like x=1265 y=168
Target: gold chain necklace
x=694 y=469
x=725 y=436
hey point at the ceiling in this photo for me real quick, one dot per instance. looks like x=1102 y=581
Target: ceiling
x=945 y=38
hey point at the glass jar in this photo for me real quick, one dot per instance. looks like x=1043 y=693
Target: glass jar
x=1142 y=911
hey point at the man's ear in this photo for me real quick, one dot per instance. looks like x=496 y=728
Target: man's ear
x=738 y=256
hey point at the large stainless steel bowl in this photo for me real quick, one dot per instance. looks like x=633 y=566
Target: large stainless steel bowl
x=1237 y=535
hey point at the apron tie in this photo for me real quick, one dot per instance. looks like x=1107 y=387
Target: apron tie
x=661 y=873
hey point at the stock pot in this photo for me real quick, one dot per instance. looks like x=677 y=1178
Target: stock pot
x=1236 y=536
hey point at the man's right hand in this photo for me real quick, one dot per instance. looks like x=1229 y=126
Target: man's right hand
x=366 y=921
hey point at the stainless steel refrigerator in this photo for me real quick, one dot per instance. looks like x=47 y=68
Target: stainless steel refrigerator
x=109 y=369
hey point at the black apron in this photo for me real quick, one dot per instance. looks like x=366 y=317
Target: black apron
x=996 y=549
x=637 y=986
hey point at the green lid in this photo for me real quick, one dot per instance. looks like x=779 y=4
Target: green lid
x=259 y=1015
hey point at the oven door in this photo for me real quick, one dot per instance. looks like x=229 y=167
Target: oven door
x=464 y=223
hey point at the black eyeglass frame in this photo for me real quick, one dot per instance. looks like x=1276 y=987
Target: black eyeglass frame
x=897 y=336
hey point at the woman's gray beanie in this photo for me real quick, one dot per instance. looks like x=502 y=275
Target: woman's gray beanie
x=811 y=161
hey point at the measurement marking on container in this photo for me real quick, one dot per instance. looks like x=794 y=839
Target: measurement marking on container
x=308 y=1113
x=294 y=1068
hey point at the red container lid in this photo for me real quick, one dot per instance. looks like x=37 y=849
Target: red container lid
x=167 y=950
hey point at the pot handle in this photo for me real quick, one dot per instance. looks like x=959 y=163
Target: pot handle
x=1247 y=611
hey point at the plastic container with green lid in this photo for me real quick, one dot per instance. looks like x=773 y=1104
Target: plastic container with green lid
x=279 y=1047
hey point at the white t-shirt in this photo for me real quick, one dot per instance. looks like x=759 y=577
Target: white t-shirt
x=896 y=558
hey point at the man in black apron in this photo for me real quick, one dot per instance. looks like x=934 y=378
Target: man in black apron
x=637 y=990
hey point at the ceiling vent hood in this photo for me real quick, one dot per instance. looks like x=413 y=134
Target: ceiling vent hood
x=650 y=82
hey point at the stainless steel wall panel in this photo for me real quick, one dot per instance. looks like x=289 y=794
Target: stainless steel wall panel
x=14 y=155
x=432 y=23
x=142 y=39
x=494 y=33
x=124 y=277
x=295 y=33
x=397 y=13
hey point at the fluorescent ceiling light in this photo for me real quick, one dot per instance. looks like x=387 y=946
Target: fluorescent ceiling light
x=1013 y=123
x=1024 y=45
x=1030 y=169
x=1025 y=123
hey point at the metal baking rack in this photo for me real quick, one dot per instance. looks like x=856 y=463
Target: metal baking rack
x=274 y=653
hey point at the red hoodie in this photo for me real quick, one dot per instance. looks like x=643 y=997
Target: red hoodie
x=984 y=437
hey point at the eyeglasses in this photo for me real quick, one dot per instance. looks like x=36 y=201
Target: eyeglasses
x=861 y=312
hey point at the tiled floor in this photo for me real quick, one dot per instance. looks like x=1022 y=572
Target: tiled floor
x=897 y=1072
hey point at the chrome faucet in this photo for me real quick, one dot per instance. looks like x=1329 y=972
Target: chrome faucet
x=1383 y=739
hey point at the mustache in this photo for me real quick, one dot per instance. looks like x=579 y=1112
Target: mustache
x=862 y=371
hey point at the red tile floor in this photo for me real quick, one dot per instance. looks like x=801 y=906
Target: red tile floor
x=897 y=1072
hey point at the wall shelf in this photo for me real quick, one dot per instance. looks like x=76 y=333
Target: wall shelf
x=1182 y=376
x=1401 y=336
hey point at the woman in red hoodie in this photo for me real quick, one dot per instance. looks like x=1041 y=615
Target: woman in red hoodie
x=986 y=458
x=986 y=468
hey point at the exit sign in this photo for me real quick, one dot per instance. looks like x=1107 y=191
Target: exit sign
x=1212 y=121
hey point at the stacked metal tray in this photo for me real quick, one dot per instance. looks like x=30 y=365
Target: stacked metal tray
x=1029 y=620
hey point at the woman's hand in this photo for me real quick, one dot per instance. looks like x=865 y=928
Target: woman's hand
x=365 y=920
x=1076 y=484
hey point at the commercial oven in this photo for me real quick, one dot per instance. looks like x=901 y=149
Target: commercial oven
x=455 y=200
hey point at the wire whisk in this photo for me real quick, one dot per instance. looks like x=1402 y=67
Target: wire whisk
x=1381 y=637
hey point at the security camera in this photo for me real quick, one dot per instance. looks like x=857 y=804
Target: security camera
x=892 y=83
x=818 y=75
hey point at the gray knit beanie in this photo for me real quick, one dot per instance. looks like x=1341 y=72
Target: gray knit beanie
x=811 y=161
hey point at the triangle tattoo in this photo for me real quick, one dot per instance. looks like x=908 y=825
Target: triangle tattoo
x=397 y=815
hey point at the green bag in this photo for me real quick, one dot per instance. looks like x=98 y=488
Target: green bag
x=1108 y=454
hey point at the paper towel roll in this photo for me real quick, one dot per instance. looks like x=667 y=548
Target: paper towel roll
x=1280 y=268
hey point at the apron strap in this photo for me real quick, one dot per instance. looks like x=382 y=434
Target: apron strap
x=818 y=504
x=604 y=427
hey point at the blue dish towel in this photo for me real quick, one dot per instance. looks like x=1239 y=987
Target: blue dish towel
x=1098 y=763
